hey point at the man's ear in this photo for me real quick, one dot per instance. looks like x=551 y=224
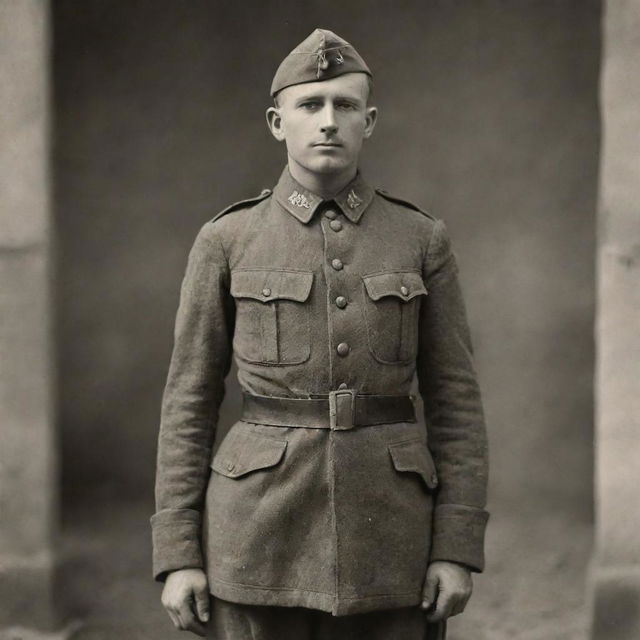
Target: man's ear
x=371 y=117
x=274 y=122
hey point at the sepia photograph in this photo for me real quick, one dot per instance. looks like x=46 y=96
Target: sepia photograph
x=319 y=320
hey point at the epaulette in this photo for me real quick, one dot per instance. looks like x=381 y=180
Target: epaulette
x=406 y=203
x=241 y=204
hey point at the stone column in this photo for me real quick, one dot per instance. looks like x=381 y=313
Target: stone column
x=28 y=475
x=615 y=576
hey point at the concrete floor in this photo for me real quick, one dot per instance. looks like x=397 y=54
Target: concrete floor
x=533 y=588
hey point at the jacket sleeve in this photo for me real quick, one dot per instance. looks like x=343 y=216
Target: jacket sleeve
x=453 y=410
x=192 y=396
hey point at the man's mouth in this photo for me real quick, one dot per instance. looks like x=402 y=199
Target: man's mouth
x=327 y=144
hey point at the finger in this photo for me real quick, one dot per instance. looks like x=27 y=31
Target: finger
x=174 y=619
x=443 y=608
x=189 y=621
x=460 y=605
x=202 y=605
x=198 y=628
x=430 y=593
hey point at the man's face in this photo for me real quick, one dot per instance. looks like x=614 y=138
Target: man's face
x=324 y=123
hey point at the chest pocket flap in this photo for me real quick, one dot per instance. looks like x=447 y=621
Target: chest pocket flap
x=414 y=456
x=404 y=285
x=270 y=284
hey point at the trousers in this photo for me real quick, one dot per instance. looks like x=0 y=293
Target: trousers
x=233 y=621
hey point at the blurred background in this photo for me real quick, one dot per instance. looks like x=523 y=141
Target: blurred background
x=132 y=123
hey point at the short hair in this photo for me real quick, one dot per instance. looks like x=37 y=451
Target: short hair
x=369 y=95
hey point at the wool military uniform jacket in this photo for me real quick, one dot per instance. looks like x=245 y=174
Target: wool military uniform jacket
x=311 y=296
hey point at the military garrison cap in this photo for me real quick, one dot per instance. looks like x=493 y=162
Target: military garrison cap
x=321 y=56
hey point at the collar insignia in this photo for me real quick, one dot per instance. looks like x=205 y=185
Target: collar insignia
x=353 y=200
x=299 y=200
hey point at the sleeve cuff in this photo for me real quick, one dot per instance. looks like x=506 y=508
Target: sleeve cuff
x=176 y=541
x=458 y=535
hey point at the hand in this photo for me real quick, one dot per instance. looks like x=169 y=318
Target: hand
x=186 y=598
x=447 y=589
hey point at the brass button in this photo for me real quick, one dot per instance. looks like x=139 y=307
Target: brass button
x=230 y=466
x=266 y=291
x=434 y=478
x=403 y=290
x=336 y=225
x=343 y=385
x=343 y=349
x=336 y=263
x=330 y=214
x=341 y=302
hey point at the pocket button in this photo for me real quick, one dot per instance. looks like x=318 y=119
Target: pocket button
x=403 y=290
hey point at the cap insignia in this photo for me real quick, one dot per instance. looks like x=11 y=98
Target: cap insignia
x=353 y=200
x=299 y=200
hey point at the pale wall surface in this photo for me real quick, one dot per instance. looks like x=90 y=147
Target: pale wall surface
x=616 y=570
x=28 y=445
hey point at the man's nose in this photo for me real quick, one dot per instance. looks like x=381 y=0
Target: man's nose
x=329 y=124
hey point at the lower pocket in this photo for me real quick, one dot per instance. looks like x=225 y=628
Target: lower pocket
x=243 y=452
x=413 y=457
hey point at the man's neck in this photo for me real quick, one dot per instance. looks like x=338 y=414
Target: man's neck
x=325 y=185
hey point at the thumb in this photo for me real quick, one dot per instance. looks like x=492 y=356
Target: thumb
x=430 y=591
x=202 y=604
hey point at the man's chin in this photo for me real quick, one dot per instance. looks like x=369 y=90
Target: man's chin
x=328 y=166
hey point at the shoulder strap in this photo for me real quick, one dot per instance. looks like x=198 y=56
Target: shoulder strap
x=241 y=204
x=406 y=203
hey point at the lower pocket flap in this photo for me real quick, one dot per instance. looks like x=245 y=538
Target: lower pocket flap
x=243 y=453
x=414 y=456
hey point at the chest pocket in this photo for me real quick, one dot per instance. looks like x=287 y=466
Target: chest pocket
x=273 y=316
x=392 y=304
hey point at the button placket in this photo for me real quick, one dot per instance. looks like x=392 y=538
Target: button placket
x=337 y=275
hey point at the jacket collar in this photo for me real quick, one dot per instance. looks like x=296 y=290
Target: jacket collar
x=301 y=203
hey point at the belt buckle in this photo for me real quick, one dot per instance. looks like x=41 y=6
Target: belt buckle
x=342 y=405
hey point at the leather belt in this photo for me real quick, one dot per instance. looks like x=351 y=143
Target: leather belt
x=340 y=410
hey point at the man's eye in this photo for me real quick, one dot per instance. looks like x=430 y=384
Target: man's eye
x=346 y=106
x=309 y=105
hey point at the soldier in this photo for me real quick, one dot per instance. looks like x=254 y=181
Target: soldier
x=327 y=511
